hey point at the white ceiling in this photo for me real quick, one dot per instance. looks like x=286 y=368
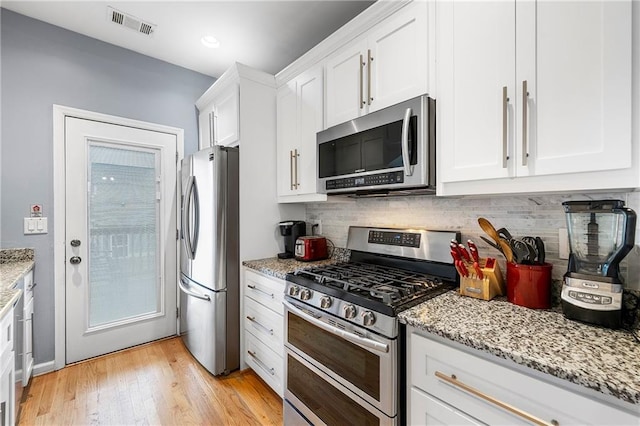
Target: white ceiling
x=264 y=34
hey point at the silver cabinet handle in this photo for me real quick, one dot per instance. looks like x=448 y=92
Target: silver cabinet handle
x=264 y=327
x=404 y=146
x=211 y=130
x=253 y=287
x=293 y=186
x=453 y=380
x=295 y=163
x=525 y=100
x=369 y=60
x=505 y=104
x=362 y=101
x=182 y=283
x=262 y=364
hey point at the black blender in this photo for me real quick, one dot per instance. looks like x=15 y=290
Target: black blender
x=601 y=234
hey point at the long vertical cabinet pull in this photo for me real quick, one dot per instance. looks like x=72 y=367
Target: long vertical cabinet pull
x=362 y=101
x=296 y=155
x=211 y=130
x=369 y=60
x=505 y=126
x=525 y=100
x=291 y=158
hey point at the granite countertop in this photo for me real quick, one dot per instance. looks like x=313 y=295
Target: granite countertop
x=279 y=268
x=605 y=360
x=14 y=264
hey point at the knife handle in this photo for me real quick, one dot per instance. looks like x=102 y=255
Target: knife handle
x=474 y=252
x=478 y=269
x=464 y=252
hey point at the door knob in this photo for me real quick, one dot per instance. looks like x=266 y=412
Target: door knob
x=75 y=243
x=75 y=260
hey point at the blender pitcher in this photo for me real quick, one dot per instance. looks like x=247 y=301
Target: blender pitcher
x=601 y=234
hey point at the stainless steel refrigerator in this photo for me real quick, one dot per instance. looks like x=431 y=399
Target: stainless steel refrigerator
x=209 y=259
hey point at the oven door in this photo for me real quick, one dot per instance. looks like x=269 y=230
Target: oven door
x=336 y=372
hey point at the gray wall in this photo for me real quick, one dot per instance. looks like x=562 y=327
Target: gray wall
x=44 y=65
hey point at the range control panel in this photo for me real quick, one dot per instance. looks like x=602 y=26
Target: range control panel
x=369 y=180
x=405 y=239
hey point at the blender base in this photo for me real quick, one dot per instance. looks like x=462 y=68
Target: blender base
x=610 y=319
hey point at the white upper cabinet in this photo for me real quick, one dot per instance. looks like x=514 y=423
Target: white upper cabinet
x=219 y=117
x=299 y=112
x=386 y=65
x=534 y=89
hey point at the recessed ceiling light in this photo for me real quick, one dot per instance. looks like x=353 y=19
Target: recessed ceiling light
x=210 y=41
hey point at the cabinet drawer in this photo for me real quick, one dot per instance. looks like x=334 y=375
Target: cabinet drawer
x=264 y=324
x=265 y=290
x=6 y=333
x=265 y=362
x=427 y=410
x=525 y=393
x=28 y=287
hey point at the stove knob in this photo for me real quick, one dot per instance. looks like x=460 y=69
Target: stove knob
x=293 y=290
x=305 y=294
x=325 y=302
x=349 y=311
x=368 y=318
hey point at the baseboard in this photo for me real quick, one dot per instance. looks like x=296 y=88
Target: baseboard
x=44 y=368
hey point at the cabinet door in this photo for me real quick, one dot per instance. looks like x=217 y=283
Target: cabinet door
x=205 y=128
x=287 y=129
x=227 y=117
x=426 y=410
x=475 y=63
x=345 y=84
x=7 y=391
x=397 y=58
x=309 y=95
x=577 y=63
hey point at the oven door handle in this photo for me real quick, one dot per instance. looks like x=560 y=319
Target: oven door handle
x=353 y=338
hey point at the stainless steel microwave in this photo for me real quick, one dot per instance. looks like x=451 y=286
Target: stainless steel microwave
x=382 y=152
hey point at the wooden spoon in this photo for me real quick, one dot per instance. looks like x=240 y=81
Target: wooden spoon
x=506 y=249
x=488 y=228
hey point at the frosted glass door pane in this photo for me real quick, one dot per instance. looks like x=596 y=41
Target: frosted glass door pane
x=123 y=234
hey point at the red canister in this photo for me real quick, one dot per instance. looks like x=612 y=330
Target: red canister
x=529 y=285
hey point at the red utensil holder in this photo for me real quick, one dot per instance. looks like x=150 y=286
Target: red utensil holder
x=529 y=285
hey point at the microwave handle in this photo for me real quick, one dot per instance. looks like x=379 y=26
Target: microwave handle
x=408 y=168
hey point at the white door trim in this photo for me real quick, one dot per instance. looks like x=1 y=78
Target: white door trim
x=59 y=114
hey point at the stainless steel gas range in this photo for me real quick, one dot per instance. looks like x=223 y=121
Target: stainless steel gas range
x=344 y=347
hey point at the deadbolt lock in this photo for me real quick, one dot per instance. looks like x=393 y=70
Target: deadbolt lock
x=75 y=243
x=75 y=260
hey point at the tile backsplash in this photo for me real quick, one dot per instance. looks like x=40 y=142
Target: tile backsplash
x=536 y=215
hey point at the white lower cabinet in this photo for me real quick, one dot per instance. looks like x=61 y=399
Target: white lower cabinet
x=448 y=385
x=7 y=370
x=264 y=327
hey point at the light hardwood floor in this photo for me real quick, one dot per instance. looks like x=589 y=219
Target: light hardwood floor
x=154 y=384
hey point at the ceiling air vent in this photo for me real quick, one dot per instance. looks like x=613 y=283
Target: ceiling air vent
x=130 y=21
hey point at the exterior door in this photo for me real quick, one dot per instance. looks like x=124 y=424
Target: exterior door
x=120 y=241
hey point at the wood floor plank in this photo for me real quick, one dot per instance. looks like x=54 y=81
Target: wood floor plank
x=154 y=384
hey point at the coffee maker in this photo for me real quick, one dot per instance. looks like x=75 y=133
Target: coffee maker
x=601 y=234
x=291 y=230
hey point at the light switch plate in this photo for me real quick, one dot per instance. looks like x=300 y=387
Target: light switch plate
x=35 y=225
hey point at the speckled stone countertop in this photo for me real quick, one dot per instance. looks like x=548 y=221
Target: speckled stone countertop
x=14 y=264
x=607 y=361
x=279 y=268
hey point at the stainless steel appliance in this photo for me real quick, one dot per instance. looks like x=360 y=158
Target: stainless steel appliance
x=291 y=230
x=601 y=234
x=388 y=150
x=209 y=259
x=344 y=346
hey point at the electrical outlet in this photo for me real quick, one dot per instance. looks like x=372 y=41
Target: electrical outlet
x=563 y=242
x=316 y=226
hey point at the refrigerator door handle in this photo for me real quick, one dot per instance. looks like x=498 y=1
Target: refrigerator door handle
x=182 y=283
x=192 y=194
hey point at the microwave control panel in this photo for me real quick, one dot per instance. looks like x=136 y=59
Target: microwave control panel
x=368 y=180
